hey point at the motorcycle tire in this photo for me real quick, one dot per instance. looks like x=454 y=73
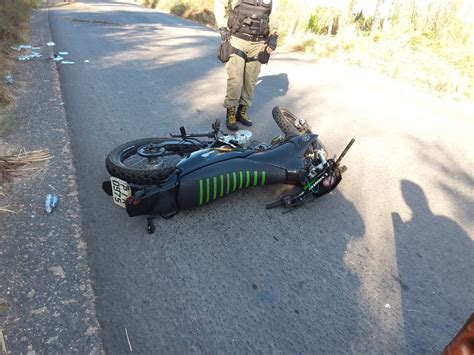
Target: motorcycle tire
x=289 y=123
x=150 y=175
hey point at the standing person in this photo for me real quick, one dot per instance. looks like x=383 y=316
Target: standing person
x=251 y=28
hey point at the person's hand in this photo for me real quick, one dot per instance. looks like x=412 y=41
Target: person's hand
x=272 y=42
x=269 y=50
x=225 y=34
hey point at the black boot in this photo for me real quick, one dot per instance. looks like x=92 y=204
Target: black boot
x=242 y=115
x=230 y=119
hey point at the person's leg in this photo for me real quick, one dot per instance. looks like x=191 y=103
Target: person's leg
x=235 y=80
x=235 y=75
x=251 y=72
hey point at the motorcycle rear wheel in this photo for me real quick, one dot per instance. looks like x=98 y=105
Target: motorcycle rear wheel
x=125 y=162
x=289 y=123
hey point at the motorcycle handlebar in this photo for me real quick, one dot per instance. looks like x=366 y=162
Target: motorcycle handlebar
x=184 y=135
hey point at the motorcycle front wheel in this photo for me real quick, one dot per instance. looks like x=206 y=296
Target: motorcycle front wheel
x=147 y=161
x=289 y=123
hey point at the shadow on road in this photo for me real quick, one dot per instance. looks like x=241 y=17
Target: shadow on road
x=435 y=261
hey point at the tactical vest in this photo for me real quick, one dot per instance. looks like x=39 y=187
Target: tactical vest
x=250 y=17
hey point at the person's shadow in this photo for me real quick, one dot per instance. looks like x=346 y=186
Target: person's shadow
x=436 y=273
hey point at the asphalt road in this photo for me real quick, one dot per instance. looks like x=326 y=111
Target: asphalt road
x=383 y=264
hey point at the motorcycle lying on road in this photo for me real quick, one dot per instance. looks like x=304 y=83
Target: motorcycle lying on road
x=160 y=176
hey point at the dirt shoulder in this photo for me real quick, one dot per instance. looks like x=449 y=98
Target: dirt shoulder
x=46 y=298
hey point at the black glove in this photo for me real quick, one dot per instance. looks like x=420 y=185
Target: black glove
x=264 y=56
x=225 y=34
x=272 y=41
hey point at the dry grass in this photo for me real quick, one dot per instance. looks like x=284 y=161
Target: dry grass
x=16 y=165
x=201 y=11
x=6 y=63
x=21 y=164
x=13 y=30
x=427 y=44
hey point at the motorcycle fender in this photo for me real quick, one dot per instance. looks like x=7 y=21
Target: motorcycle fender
x=158 y=200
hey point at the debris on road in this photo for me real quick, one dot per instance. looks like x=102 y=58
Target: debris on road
x=87 y=61
x=23 y=46
x=63 y=53
x=3 y=347
x=31 y=56
x=67 y=62
x=128 y=340
x=50 y=44
x=9 y=79
x=387 y=306
x=50 y=203
x=57 y=58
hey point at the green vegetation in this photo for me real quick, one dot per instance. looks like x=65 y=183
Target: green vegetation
x=429 y=43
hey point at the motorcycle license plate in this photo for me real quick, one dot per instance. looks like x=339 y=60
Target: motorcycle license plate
x=120 y=191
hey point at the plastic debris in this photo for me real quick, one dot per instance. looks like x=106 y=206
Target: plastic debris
x=87 y=61
x=57 y=58
x=50 y=203
x=67 y=62
x=25 y=46
x=9 y=79
x=31 y=56
x=63 y=53
x=388 y=306
x=50 y=44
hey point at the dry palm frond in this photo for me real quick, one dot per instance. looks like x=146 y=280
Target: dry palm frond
x=19 y=164
x=3 y=209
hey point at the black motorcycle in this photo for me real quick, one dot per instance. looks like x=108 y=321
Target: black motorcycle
x=160 y=176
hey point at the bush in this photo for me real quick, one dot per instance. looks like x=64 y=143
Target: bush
x=324 y=20
x=205 y=16
x=178 y=9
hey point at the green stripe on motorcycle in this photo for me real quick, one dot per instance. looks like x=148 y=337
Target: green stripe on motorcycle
x=247 y=182
x=241 y=180
x=263 y=177
x=228 y=184
x=215 y=188
x=235 y=181
x=208 y=190
x=222 y=185
x=255 y=178
x=200 y=193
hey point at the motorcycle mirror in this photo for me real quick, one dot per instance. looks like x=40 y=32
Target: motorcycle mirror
x=216 y=126
x=346 y=149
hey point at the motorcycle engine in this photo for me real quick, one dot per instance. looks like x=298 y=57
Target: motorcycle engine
x=241 y=137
